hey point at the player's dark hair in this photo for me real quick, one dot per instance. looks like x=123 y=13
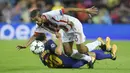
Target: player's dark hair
x=41 y=37
x=34 y=13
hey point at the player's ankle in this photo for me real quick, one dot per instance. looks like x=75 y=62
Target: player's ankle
x=101 y=40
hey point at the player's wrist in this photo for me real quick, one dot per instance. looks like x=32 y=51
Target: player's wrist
x=24 y=46
x=87 y=10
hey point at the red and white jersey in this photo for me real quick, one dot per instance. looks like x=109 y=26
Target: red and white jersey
x=56 y=20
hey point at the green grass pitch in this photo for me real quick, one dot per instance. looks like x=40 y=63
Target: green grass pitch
x=23 y=61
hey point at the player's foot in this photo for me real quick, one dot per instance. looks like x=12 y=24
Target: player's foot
x=101 y=40
x=103 y=45
x=93 y=59
x=108 y=46
x=91 y=63
x=113 y=51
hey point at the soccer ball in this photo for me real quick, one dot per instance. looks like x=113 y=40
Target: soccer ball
x=37 y=47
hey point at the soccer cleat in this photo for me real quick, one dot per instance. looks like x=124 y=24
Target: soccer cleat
x=108 y=46
x=103 y=45
x=93 y=60
x=101 y=40
x=91 y=63
x=114 y=58
x=113 y=51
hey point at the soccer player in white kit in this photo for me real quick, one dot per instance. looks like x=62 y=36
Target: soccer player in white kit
x=55 y=20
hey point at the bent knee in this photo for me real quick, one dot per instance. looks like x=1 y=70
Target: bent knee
x=82 y=51
x=68 y=53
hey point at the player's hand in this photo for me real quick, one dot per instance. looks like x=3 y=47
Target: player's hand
x=20 y=47
x=93 y=10
x=58 y=35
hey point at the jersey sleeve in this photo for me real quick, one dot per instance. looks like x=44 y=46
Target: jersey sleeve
x=40 y=30
x=53 y=13
x=50 y=45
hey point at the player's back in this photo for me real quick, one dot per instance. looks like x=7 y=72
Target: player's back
x=57 y=17
x=62 y=61
x=69 y=62
x=50 y=59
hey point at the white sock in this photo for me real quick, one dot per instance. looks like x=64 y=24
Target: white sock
x=93 y=45
x=77 y=55
x=86 y=58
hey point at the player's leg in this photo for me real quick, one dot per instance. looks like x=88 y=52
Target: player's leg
x=93 y=57
x=79 y=37
x=67 y=47
x=108 y=45
x=87 y=58
x=91 y=46
x=67 y=42
x=100 y=55
x=82 y=49
x=79 y=56
x=113 y=51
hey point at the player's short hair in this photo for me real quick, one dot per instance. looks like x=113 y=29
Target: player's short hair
x=34 y=13
x=41 y=37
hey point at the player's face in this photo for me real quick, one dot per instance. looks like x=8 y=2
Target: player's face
x=38 y=20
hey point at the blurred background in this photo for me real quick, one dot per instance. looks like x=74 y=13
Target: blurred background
x=113 y=18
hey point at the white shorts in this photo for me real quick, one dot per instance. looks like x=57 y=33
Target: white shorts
x=75 y=34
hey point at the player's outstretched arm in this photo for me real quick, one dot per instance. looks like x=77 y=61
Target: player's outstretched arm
x=92 y=10
x=58 y=50
x=27 y=44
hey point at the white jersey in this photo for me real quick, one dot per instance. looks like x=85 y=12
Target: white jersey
x=71 y=26
x=61 y=20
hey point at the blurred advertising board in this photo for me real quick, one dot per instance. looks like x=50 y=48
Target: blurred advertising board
x=18 y=31
x=115 y=31
x=22 y=31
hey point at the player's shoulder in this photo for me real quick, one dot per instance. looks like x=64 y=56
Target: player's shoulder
x=49 y=42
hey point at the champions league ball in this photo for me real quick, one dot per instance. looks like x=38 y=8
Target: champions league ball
x=37 y=47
